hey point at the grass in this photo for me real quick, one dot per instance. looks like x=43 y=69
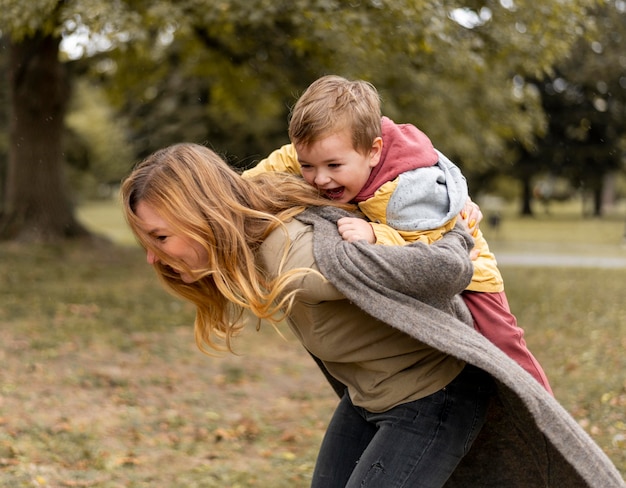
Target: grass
x=563 y=230
x=101 y=384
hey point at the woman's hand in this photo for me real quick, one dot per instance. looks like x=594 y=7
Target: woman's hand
x=354 y=229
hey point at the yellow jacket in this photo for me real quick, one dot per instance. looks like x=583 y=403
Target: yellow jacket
x=391 y=228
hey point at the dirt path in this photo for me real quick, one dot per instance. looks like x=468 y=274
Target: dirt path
x=559 y=260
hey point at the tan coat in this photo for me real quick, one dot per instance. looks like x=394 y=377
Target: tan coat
x=382 y=367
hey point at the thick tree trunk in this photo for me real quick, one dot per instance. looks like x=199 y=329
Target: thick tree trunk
x=36 y=201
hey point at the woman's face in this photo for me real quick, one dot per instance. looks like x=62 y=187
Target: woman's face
x=176 y=247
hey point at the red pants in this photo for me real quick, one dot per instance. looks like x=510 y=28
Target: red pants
x=493 y=319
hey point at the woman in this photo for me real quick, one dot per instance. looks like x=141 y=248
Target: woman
x=410 y=412
x=390 y=328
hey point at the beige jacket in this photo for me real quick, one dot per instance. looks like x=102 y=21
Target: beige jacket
x=380 y=366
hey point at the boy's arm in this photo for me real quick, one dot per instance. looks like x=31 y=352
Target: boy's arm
x=386 y=235
x=284 y=160
x=354 y=229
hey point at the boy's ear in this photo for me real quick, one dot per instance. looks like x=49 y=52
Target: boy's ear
x=376 y=151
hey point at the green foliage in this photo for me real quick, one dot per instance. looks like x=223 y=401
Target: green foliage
x=432 y=71
x=585 y=101
x=424 y=62
x=225 y=73
x=107 y=155
x=62 y=17
x=465 y=86
x=24 y=19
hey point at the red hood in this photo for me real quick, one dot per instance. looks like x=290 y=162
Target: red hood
x=405 y=147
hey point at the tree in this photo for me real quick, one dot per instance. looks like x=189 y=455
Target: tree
x=227 y=72
x=4 y=102
x=585 y=102
x=96 y=148
x=462 y=82
x=36 y=203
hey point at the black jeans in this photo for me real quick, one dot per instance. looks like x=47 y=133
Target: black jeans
x=416 y=444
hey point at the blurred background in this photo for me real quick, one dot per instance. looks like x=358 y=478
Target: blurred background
x=528 y=98
x=101 y=383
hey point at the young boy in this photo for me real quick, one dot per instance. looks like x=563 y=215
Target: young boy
x=342 y=145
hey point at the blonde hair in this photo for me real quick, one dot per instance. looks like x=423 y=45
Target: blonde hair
x=333 y=103
x=204 y=200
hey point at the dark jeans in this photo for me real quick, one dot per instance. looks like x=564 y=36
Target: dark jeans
x=416 y=444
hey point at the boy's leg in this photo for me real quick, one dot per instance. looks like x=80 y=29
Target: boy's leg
x=493 y=319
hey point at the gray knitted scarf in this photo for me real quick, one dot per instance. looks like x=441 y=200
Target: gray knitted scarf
x=529 y=439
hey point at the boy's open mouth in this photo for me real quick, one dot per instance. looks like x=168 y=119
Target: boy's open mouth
x=334 y=193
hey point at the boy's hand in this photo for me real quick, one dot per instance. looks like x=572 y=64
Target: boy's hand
x=354 y=229
x=471 y=215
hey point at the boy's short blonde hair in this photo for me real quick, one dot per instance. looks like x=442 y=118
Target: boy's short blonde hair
x=333 y=103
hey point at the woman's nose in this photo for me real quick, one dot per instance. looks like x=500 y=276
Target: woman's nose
x=151 y=257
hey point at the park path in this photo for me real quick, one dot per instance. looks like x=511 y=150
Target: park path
x=559 y=260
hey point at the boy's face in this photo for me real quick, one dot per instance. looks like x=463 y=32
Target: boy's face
x=332 y=165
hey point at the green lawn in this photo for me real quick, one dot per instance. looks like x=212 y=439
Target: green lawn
x=106 y=218
x=101 y=384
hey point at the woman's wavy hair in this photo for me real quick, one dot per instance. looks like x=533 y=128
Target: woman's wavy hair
x=206 y=201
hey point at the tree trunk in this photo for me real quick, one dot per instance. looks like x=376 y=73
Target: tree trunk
x=527 y=195
x=36 y=203
x=609 y=190
x=597 y=202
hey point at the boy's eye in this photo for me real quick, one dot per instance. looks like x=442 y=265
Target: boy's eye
x=160 y=238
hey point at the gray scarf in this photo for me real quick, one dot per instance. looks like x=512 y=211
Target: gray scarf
x=529 y=439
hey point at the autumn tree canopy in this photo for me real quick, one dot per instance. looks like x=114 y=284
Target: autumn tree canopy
x=226 y=72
